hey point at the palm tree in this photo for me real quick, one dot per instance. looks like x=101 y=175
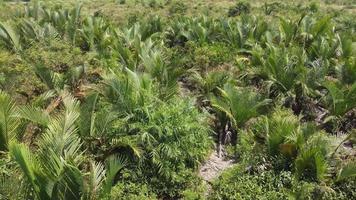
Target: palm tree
x=340 y=99
x=53 y=170
x=238 y=104
x=234 y=107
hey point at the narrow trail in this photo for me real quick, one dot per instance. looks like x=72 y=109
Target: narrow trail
x=213 y=167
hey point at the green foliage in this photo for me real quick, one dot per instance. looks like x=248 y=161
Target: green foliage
x=240 y=8
x=157 y=133
x=145 y=77
x=234 y=184
x=290 y=144
x=340 y=100
x=9 y=36
x=211 y=81
x=311 y=163
x=346 y=188
x=209 y=56
x=123 y=191
x=305 y=190
x=238 y=104
x=348 y=71
x=168 y=153
x=177 y=7
x=280 y=128
x=182 y=184
x=347 y=171
x=8 y=121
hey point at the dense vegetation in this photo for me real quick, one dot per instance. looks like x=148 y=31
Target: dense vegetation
x=127 y=99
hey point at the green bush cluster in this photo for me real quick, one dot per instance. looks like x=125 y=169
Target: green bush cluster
x=235 y=184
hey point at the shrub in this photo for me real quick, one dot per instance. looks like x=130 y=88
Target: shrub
x=183 y=184
x=17 y=77
x=122 y=191
x=209 y=56
x=234 y=184
x=58 y=64
x=311 y=163
x=171 y=139
x=346 y=188
x=290 y=144
x=313 y=7
x=180 y=141
x=177 y=7
x=269 y=8
x=180 y=137
x=122 y=1
x=311 y=191
x=239 y=8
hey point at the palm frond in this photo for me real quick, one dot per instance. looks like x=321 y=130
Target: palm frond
x=30 y=168
x=349 y=170
x=8 y=120
x=115 y=164
x=33 y=114
x=9 y=36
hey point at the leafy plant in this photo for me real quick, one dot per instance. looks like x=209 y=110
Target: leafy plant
x=238 y=104
x=8 y=121
x=340 y=100
x=240 y=8
x=10 y=37
x=348 y=171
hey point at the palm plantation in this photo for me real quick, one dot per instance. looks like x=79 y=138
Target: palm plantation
x=129 y=99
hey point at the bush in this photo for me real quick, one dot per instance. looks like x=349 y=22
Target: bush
x=17 y=77
x=183 y=184
x=209 y=56
x=313 y=7
x=234 y=184
x=312 y=191
x=65 y=63
x=269 y=8
x=311 y=162
x=346 y=188
x=122 y=1
x=172 y=138
x=177 y=7
x=239 y=8
x=290 y=144
x=181 y=142
x=122 y=191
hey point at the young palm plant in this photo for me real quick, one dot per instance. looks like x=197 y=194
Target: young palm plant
x=340 y=100
x=52 y=170
x=238 y=104
x=292 y=145
x=234 y=107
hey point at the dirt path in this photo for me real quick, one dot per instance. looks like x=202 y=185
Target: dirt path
x=213 y=167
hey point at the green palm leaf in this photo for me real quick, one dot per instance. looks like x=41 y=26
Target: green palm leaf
x=31 y=169
x=8 y=120
x=347 y=171
x=9 y=36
